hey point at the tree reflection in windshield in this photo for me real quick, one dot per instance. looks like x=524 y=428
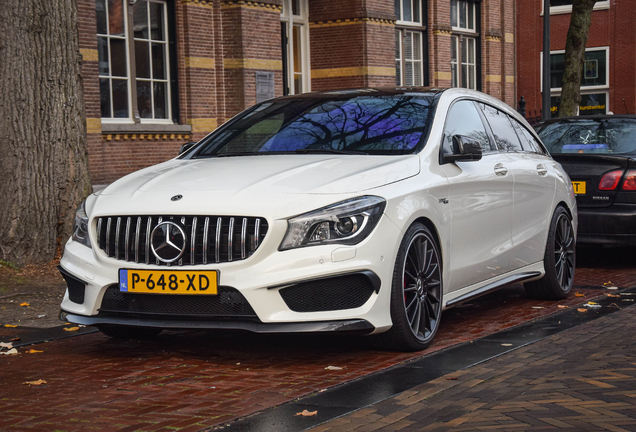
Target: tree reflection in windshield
x=370 y=124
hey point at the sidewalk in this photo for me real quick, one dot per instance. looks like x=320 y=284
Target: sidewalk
x=581 y=379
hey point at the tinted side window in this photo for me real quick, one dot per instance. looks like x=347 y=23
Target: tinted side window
x=528 y=142
x=502 y=129
x=463 y=119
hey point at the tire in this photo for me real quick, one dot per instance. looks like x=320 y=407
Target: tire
x=122 y=332
x=416 y=292
x=559 y=260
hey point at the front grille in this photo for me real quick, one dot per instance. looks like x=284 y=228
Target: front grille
x=229 y=302
x=210 y=239
x=336 y=293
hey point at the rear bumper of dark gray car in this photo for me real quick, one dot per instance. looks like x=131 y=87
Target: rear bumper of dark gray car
x=612 y=226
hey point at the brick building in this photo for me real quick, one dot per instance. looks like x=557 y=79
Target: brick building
x=609 y=76
x=196 y=63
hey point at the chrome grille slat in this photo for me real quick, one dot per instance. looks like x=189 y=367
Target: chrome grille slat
x=108 y=237
x=217 y=243
x=206 y=227
x=137 y=232
x=128 y=238
x=193 y=239
x=230 y=238
x=243 y=235
x=117 y=237
x=148 y=239
x=127 y=242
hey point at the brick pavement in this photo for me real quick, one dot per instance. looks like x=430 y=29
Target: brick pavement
x=193 y=380
x=581 y=379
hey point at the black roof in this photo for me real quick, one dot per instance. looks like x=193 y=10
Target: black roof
x=586 y=118
x=374 y=91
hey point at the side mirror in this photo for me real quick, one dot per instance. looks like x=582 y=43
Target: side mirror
x=187 y=146
x=464 y=149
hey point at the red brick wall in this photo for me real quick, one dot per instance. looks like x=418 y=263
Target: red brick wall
x=613 y=27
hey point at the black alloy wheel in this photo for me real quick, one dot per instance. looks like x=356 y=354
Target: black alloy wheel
x=416 y=297
x=559 y=260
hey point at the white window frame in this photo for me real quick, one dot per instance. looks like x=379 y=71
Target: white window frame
x=469 y=4
x=129 y=79
x=402 y=22
x=456 y=39
x=302 y=21
x=583 y=88
x=403 y=61
x=558 y=10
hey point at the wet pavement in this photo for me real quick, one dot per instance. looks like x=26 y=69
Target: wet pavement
x=193 y=381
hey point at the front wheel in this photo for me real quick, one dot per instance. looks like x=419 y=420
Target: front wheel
x=559 y=260
x=416 y=294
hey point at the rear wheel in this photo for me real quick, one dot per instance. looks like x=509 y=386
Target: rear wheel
x=122 y=332
x=559 y=260
x=416 y=295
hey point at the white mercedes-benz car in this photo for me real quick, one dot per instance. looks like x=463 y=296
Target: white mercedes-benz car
x=365 y=211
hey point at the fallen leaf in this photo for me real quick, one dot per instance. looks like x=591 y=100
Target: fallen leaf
x=506 y=344
x=6 y=345
x=563 y=306
x=592 y=303
x=71 y=328
x=35 y=383
x=306 y=413
x=10 y=325
x=538 y=307
x=14 y=339
x=609 y=284
x=611 y=288
x=12 y=351
x=25 y=304
x=613 y=295
x=451 y=378
x=628 y=299
x=32 y=351
x=578 y=294
x=582 y=310
x=333 y=368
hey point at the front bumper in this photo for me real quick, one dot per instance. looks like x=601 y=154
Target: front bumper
x=614 y=225
x=261 y=280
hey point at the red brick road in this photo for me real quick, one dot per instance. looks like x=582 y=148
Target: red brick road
x=192 y=380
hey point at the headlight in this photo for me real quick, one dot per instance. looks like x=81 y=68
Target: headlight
x=347 y=222
x=80 y=227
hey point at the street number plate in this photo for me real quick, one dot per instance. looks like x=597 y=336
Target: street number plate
x=579 y=187
x=168 y=281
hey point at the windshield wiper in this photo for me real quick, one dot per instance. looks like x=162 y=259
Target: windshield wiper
x=329 y=151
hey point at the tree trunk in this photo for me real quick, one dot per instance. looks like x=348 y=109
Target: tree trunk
x=575 y=56
x=43 y=157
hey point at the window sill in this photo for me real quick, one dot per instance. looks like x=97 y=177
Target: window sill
x=145 y=128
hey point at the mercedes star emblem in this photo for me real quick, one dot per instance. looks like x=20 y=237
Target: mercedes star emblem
x=168 y=242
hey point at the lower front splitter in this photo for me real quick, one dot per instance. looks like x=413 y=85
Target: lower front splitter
x=376 y=387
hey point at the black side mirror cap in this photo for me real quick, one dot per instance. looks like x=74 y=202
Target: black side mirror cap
x=187 y=146
x=464 y=149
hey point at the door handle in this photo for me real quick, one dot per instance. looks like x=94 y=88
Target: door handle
x=501 y=170
x=541 y=170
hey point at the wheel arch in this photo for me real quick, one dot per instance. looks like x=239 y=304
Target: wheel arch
x=433 y=229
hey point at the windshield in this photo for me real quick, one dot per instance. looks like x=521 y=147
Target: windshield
x=590 y=136
x=363 y=124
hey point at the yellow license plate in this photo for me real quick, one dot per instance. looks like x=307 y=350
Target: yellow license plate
x=168 y=281
x=579 y=187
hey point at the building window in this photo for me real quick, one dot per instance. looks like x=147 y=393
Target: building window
x=465 y=24
x=410 y=65
x=149 y=94
x=594 y=81
x=565 y=6
x=295 y=41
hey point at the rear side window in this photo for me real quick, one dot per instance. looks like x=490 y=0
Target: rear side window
x=613 y=135
x=501 y=125
x=528 y=141
x=463 y=119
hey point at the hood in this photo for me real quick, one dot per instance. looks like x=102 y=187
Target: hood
x=288 y=174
